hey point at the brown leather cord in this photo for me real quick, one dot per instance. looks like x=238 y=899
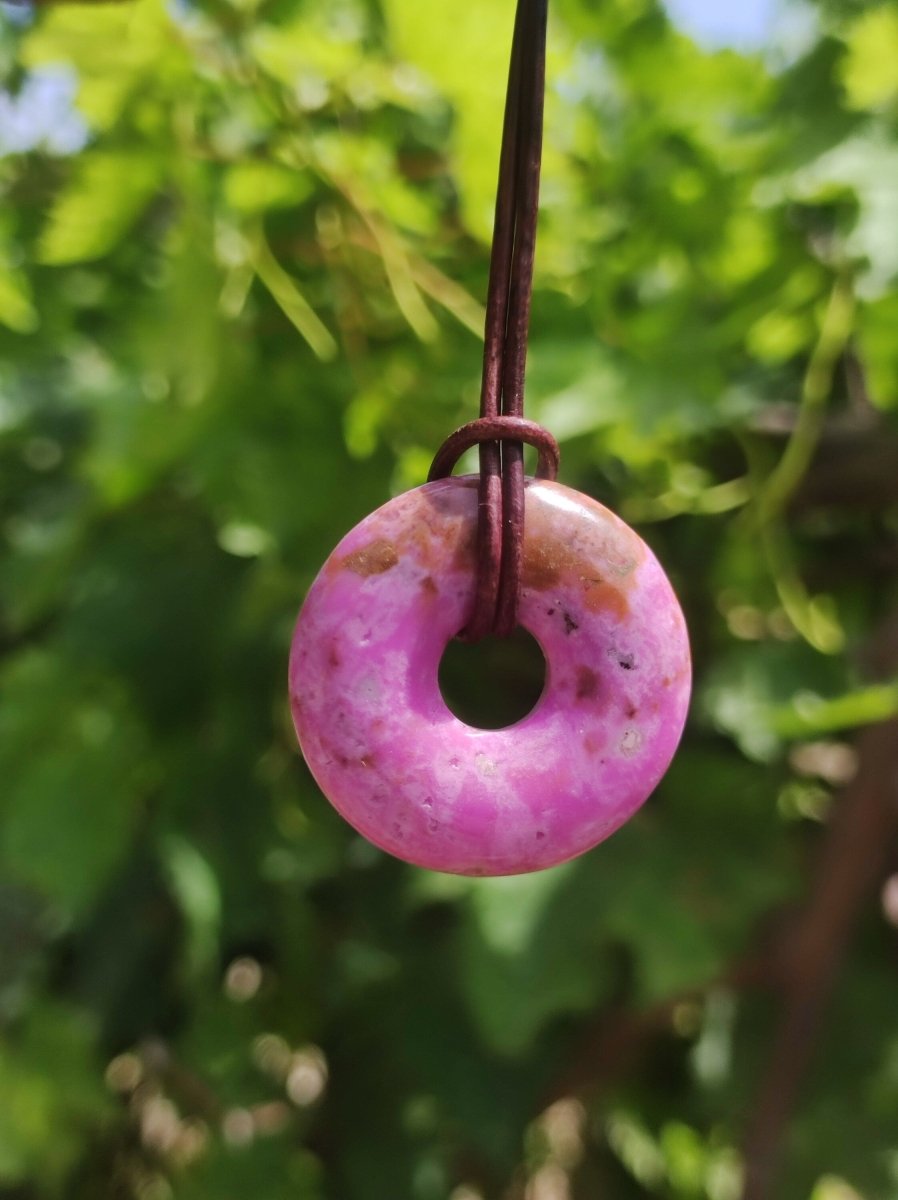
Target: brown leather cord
x=502 y=430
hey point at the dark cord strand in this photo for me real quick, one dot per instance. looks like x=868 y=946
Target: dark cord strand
x=501 y=431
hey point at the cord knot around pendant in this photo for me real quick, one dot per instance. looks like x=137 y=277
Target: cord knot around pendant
x=497 y=429
x=500 y=526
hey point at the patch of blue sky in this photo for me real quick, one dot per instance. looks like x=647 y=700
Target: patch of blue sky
x=41 y=114
x=715 y=24
x=781 y=30
x=17 y=12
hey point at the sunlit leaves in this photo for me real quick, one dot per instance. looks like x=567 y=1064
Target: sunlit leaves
x=877 y=327
x=16 y=307
x=255 y=187
x=810 y=715
x=244 y=311
x=869 y=69
x=464 y=51
x=105 y=197
x=120 y=50
x=864 y=168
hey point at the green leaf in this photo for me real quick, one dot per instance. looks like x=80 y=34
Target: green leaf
x=879 y=350
x=195 y=887
x=17 y=310
x=118 y=49
x=253 y=187
x=464 y=50
x=868 y=71
x=109 y=191
x=810 y=715
x=518 y=969
x=52 y=1090
x=174 y=467
x=72 y=758
x=868 y=165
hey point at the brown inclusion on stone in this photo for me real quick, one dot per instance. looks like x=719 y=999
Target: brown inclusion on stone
x=373 y=559
x=587 y=683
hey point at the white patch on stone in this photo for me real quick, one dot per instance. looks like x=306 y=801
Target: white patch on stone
x=485 y=765
x=630 y=742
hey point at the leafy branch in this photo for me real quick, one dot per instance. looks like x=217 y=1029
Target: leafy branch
x=835 y=334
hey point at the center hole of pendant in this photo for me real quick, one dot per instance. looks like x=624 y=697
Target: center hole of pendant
x=495 y=682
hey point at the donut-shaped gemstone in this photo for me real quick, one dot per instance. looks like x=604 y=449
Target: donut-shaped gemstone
x=408 y=774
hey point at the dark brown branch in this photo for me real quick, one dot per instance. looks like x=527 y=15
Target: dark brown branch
x=616 y=1039
x=853 y=859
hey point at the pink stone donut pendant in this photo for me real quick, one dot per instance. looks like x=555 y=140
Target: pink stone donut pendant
x=413 y=778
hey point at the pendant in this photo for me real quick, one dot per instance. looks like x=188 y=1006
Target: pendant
x=403 y=769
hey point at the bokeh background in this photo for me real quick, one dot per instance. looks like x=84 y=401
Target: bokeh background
x=243 y=254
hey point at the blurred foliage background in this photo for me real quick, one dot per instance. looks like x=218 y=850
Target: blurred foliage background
x=243 y=252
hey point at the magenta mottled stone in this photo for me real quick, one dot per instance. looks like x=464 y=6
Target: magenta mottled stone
x=421 y=784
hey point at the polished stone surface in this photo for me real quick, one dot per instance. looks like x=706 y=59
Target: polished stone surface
x=418 y=782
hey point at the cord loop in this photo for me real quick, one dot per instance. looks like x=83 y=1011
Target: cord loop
x=497 y=429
